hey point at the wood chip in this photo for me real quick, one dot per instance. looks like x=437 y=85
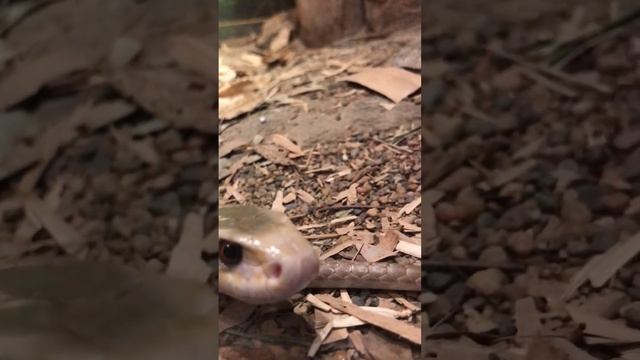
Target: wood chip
x=273 y=154
x=105 y=114
x=395 y=326
x=286 y=144
x=527 y=318
x=65 y=235
x=319 y=339
x=389 y=240
x=601 y=268
x=186 y=261
x=595 y=325
x=193 y=54
x=30 y=76
x=337 y=249
x=228 y=147
x=394 y=83
x=502 y=177
x=373 y=253
x=143 y=149
x=410 y=249
x=408 y=208
x=278 y=204
x=357 y=340
x=317 y=303
x=305 y=196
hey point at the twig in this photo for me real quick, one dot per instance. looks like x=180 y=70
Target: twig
x=572 y=79
x=470 y=264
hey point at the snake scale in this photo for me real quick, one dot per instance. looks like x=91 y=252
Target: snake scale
x=265 y=259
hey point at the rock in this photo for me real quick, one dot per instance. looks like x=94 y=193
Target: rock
x=578 y=247
x=195 y=174
x=479 y=127
x=487 y=282
x=547 y=202
x=494 y=255
x=498 y=238
x=440 y=308
x=469 y=203
x=627 y=139
x=124 y=51
x=478 y=323
x=458 y=253
x=631 y=313
x=521 y=243
x=630 y=168
x=126 y=161
x=509 y=80
x=583 y=107
x=457 y=293
x=162 y=182
x=615 y=202
x=142 y=243
x=506 y=325
x=603 y=238
x=573 y=210
x=459 y=179
x=438 y=281
x=169 y=141
x=168 y=203
x=518 y=217
x=447 y=128
x=432 y=93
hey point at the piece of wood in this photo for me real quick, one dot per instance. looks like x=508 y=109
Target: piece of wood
x=322 y=22
x=397 y=327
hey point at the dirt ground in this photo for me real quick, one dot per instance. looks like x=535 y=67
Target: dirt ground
x=341 y=161
x=530 y=167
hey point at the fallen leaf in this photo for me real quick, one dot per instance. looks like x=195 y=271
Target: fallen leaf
x=278 y=204
x=287 y=144
x=404 y=330
x=66 y=236
x=193 y=54
x=143 y=149
x=33 y=74
x=595 y=325
x=394 y=83
x=373 y=253
x=602 y=267
x=185 y=261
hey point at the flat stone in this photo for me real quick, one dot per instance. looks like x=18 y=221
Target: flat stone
x=72 y=310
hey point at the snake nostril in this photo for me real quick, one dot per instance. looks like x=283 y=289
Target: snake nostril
x=274 y=270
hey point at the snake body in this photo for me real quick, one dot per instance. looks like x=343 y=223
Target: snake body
x=277 y=261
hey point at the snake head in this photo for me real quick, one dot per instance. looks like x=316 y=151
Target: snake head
x=263 y=257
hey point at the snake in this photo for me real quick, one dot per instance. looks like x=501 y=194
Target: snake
x=265 y=259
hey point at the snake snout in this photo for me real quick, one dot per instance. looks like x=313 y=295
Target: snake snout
x=273 y=270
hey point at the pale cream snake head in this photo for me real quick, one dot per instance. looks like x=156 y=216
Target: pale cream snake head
x=263 y=257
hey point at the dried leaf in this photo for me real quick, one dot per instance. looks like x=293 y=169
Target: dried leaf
x=186 y=261
x=395 y=326
x=66 y=236
x=394 y=83
x=33 y=74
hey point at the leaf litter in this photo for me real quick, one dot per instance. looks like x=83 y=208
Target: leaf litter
x=91 y=211
x=548 y=193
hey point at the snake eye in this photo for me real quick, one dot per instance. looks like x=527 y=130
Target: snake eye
x=230 y=253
